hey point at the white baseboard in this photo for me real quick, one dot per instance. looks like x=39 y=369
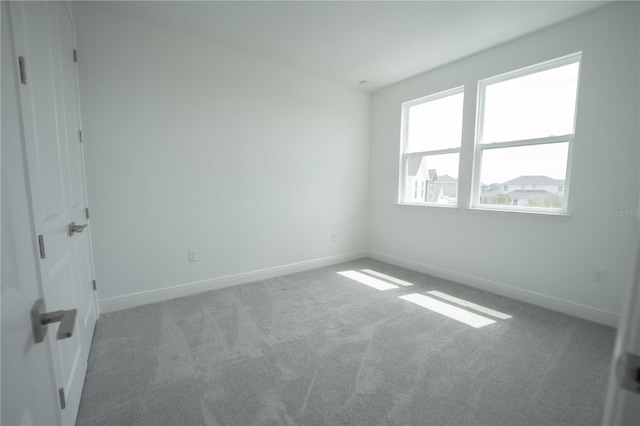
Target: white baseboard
x=186 y=289
x=555 y=304
x=152 y=296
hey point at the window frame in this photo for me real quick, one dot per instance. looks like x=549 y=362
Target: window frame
x=480 y=145
x=404 y=156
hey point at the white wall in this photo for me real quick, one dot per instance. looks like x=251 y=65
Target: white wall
x=191 y=145
x=551 y=256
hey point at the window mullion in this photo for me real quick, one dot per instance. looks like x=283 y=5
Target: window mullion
x=525 y=142
x=434 y=152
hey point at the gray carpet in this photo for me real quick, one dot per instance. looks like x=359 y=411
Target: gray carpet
x=320 y=348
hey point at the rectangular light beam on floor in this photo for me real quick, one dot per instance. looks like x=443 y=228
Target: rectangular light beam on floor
x=368 y=280
x=387 y=277
x=471 y=305
x=453 y=312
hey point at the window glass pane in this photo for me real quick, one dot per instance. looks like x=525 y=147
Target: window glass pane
x=526 y=176
x=435 y=124
x=533 y=106
x=432 y=179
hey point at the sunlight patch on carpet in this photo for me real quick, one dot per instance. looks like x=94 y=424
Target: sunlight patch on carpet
x=453 y=312
x=368 y=280
x=470 y=305
x=387 y=277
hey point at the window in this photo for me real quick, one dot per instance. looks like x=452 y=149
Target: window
x=524 y=135
x=431 y=139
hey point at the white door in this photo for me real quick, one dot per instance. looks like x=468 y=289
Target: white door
x=44 y=38
x=623 y=405
x=29 y=394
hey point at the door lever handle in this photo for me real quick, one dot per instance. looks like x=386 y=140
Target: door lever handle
x=40 y=319
x=73 y=228
x=628 y=372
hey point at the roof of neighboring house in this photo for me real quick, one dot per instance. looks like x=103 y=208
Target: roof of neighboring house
x=526 y=193
x=491 y=187
x=447 y=189
x=490 y=190
x=446 y=179
x=534 y=180
x=413 y=165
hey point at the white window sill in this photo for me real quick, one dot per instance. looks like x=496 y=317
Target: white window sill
x=552 y=215
x=520 y=212
x=440 y=206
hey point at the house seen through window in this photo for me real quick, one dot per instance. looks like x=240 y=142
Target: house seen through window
x=432 y=134
x=524 y=132
x=524 y=135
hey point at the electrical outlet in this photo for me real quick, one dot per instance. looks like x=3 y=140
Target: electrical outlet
x=599 y=276
x=333 y=238
x=193 y=255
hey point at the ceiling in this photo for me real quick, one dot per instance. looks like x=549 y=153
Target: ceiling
x=381 y=42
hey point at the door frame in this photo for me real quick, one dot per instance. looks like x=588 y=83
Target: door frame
x=621 y=406
x=69 y=8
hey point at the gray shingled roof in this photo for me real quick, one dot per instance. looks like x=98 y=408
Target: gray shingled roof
x=432 y=174
x=492 y=187
x=413 y=165
x=491 y=190
x=449 y=189
x=446 y=179
x=526 y=193
x=534 y=180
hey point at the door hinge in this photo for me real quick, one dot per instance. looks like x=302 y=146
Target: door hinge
x=23 y=70
x=41 y=245
x=75 y=55
x=63 y=403
x=86 y=212
x=95 y=286
x=80 y=136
